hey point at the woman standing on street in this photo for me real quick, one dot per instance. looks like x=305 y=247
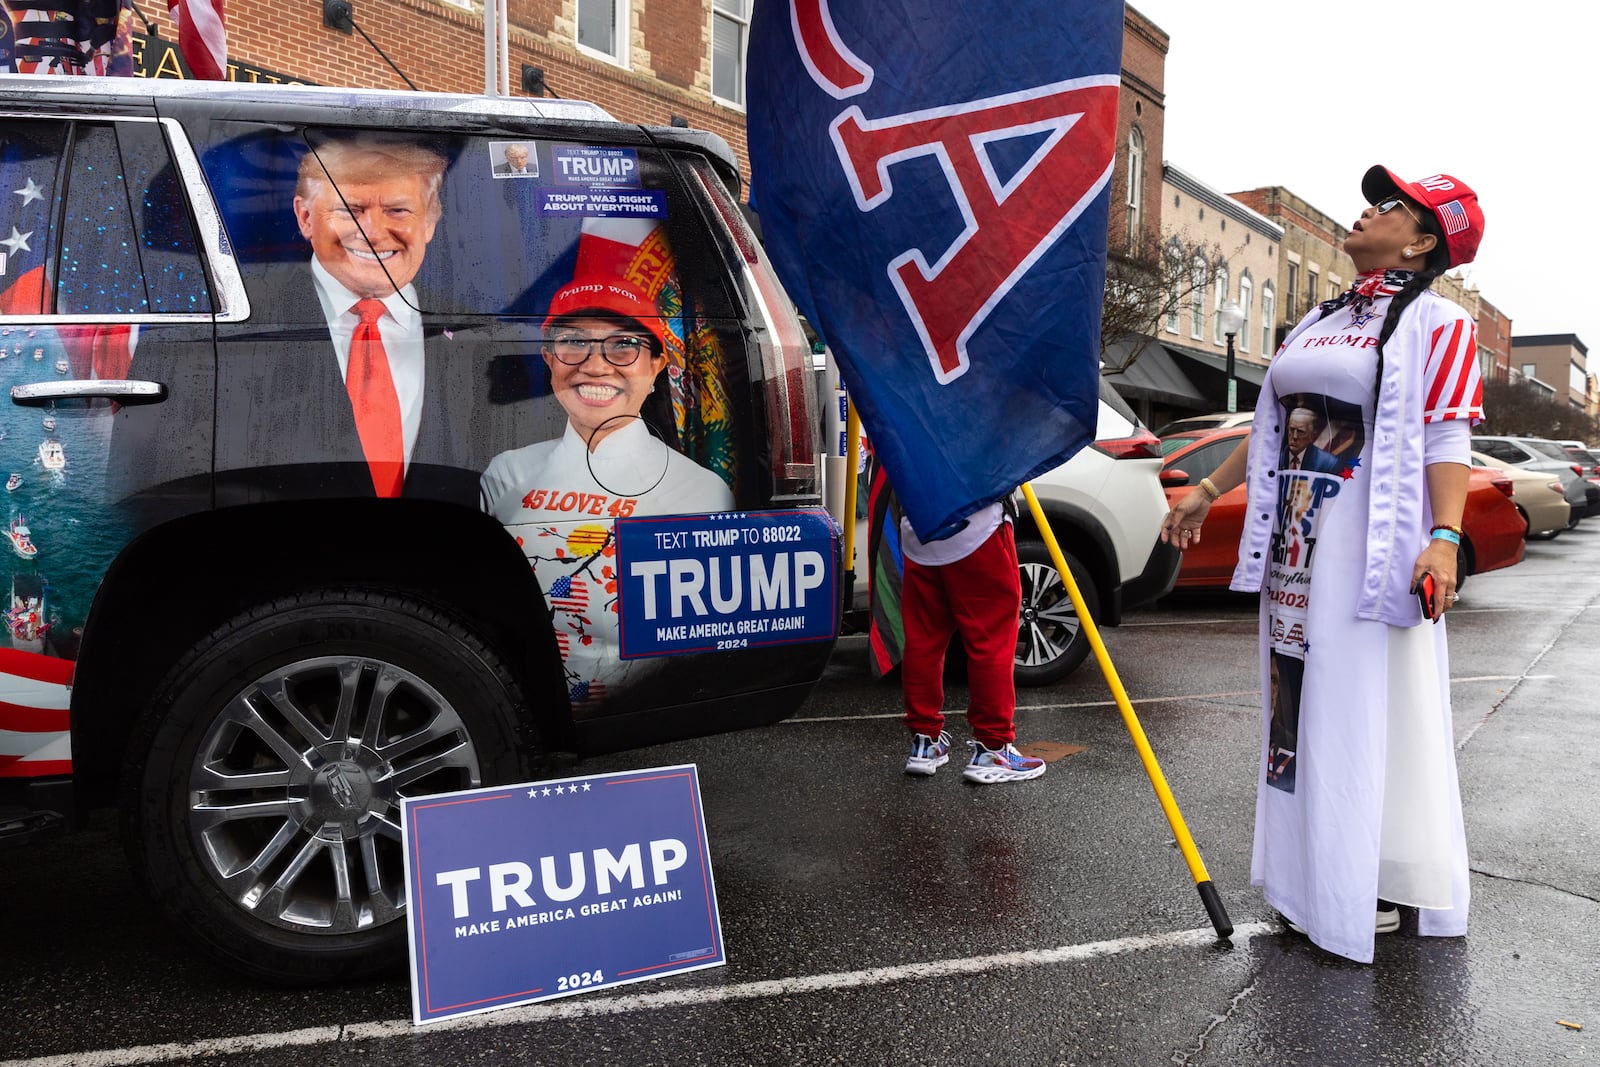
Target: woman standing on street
x=1358 y=806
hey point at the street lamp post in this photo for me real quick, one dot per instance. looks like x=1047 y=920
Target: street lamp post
x=1230 y=318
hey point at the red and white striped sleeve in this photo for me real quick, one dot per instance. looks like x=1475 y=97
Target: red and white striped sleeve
x=1454 y=388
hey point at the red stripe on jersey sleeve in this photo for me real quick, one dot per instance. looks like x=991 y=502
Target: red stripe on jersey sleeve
x=1452 y=374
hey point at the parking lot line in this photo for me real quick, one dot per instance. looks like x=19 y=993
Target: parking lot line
x=584 y=1007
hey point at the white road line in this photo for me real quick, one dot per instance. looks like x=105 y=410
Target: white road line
x=585 y=1007
x=799 y=720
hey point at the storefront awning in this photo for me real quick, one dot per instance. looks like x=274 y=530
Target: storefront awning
x=1140 y=367
x=1243 y=370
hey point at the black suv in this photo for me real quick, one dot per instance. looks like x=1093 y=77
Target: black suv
x=368 y=445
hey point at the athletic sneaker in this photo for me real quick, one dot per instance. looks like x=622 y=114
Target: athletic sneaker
x=1004 y=764
x=927 y=754
x=1387 y=921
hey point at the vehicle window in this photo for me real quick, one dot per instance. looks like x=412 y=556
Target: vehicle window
x=127 y=246
x=500 y=222
x=101 y=226
x=32 y=155
x=1111 y=397
x=1203 y=461
x=1548 y=449
x=480 y=232
x=1174 y=442
x=1501 y=450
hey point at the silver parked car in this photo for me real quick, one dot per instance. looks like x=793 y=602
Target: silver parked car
x=1537 y=453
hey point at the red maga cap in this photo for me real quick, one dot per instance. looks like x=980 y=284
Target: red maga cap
x=606 y=296
x=1451 y=200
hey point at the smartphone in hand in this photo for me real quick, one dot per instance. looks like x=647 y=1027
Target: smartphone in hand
x=1424 y=591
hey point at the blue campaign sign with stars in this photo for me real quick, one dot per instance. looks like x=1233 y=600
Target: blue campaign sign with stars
x=523 y=893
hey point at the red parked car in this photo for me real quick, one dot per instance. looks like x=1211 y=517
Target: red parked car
x=1493 y=528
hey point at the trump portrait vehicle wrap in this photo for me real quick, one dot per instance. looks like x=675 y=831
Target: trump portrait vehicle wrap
x=219 y=311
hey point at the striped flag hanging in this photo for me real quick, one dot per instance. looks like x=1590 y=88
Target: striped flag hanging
x=67 y=37
x=202 y=37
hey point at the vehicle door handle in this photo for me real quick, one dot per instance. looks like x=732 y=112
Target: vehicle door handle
x=122 y=390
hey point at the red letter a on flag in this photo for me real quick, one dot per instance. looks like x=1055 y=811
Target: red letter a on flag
x=1010 y=223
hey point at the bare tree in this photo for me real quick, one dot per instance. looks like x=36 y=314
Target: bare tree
x=1517 y=408
x=1146 y=286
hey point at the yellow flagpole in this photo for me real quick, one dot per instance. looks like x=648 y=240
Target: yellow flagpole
x=852 y=457
x=1180 y=830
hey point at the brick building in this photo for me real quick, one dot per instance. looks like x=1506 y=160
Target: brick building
x=1135 y=222
x=1494 y=342
x=646 y=61
x=1313 y=265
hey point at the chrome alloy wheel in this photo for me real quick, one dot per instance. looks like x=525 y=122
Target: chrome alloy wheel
x=294 y=791
x=1048 y=623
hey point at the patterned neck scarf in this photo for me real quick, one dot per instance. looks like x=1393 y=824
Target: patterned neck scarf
x=1369 y=285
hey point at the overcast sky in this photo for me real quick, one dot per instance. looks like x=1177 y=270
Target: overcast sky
x=1505 y=96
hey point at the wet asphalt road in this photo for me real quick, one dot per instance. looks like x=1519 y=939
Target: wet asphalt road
x=872 y=918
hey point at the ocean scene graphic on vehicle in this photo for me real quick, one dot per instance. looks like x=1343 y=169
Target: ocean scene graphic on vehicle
x=61 y=535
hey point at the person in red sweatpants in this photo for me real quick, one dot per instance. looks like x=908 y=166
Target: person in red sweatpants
x=966 y=584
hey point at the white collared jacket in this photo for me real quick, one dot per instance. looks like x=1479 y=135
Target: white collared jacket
x=1430 y=374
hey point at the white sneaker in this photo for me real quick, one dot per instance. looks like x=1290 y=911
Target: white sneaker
x=1387 y=921
x=928 y=754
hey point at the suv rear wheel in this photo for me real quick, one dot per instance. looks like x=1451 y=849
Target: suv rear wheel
x=263 y=798
x=1050 y=638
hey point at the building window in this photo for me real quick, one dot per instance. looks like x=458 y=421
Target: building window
x=1175 y=292
x=730 y=31
x=1197 y=297
x=1246 y=293
x=1293 y=291
x=1221 y=298
x=1313 y=279
x=1267 y=323
x=1135 y=187
x=603 y=28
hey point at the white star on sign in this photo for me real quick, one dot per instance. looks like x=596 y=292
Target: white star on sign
x=17 y=241
x=585 y=787
x=533 y=793
x=559 y=790
x=546 y=790
x=30 y=192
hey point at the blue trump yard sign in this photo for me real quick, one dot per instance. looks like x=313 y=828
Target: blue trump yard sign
x=527 y=892
x=700 y=583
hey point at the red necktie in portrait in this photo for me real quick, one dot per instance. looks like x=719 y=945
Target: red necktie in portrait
x=375 y=402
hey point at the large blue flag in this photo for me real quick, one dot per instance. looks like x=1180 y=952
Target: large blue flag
x=932 y=179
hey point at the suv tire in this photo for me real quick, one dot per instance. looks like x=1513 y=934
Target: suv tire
x=1050 y=638
x=262 y=806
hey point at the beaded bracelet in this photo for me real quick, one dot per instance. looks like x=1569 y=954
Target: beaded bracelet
x=1449 y=526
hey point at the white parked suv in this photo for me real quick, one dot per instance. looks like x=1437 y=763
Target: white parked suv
x=1105 y=506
